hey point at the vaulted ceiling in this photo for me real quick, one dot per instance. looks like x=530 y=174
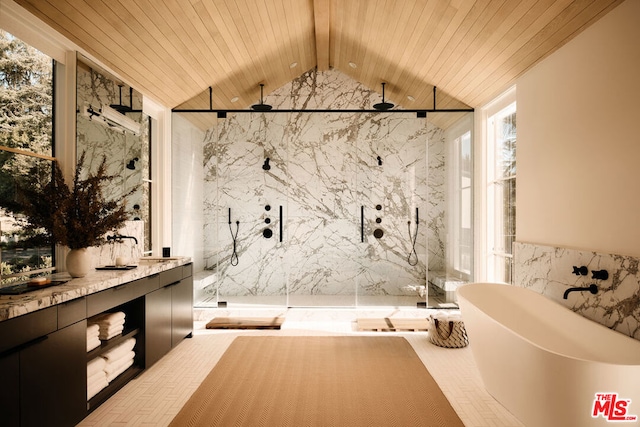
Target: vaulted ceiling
x=174 y=50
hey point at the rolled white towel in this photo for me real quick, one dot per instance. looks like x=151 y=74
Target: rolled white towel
x=108 y=335
x=96 y=365
x=117 y=352
x=92 y=343
x=120 y=370
x=97 y=378
x=108 y=318
x=95 y=388
x=111 y=327
x=113 y=366
x=93 y=330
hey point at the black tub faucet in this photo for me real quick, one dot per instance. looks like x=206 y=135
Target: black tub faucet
x=118 y=238
x=591 y=288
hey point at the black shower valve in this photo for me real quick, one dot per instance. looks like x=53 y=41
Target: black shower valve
x=580 y=271
x=600 y=274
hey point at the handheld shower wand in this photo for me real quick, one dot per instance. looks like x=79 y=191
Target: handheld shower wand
x=234 y=255
x=413 y=238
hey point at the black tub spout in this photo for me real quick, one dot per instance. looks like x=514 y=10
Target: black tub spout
x=592 y=288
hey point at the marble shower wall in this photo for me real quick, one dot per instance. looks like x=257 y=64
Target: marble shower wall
x=97 y=140
x=324 y=171
x=549 y=271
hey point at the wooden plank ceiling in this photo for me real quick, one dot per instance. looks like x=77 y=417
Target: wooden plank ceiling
x=174 y=50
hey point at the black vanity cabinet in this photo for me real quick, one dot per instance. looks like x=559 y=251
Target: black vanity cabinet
x=182 y=306
x=43 y=354
x=53 y=383
x=168 y=313
x=158 y=325
x=40 y=359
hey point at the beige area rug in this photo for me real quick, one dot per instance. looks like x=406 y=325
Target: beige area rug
x=318 y=381
x=245 y=323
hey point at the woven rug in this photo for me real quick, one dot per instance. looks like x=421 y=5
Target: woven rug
x=318 y=381
x=245 y=323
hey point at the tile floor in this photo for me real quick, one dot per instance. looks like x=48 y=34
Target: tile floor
x=156 y=396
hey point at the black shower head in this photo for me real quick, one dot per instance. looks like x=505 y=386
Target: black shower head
x=266 y=165
x=131 y=165
x=383 y=106
x=261 y=106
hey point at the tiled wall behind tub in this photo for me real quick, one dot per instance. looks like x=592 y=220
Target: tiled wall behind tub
x=549 y=271
x=324 y=168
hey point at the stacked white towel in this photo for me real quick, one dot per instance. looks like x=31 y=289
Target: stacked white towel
x=96 y=376
x=93 y=339
x=119 y=359
x=110 y=324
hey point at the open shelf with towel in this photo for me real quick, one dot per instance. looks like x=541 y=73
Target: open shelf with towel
x=120 y=355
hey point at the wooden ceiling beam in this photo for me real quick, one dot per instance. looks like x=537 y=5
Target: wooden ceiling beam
x=321 y=20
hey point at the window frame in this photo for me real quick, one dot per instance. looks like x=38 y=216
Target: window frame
x=491 y=265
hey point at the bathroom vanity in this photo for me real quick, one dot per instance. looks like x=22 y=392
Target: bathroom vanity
x=43 y=337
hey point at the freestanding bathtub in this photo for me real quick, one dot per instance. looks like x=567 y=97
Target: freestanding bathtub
x=548 y=365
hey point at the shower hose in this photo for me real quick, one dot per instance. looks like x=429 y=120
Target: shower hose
x=234 y=255
x=413 y=238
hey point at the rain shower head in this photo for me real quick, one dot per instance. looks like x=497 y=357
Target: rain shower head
x=266 y=165
x=383 y=106
x=261 y=106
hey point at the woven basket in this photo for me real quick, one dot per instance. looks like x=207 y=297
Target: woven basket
x=447 y=331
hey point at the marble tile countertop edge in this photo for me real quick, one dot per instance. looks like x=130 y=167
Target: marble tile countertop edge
x=98 y=280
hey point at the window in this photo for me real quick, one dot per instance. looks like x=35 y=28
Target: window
x=501 y=192
x=26 y=148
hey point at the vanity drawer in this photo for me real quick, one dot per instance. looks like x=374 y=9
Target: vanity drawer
x=170 y=276
x=187 y=270
x=145 y=285
x=71 y=312
x=20 y=330
x=109 y=298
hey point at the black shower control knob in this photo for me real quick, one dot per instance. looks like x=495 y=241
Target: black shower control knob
x=580 y=271
x=600 y=274
x=267 y=233
x=378 y=233
x=267 y=208
x=267 y=220
x=378 y=220
x=379 y=207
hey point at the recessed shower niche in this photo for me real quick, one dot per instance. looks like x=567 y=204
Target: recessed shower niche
x=327 y=172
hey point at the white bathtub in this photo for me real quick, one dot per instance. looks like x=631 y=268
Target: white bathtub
x=545 y=363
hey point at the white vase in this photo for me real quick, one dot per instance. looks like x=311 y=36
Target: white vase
x=78 y=264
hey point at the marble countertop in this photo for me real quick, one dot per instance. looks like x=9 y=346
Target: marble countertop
x=98 y=280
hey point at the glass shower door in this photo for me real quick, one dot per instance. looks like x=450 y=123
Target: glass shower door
x=392 y=175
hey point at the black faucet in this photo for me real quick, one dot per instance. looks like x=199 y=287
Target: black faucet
x=118 y=238
x=592 y=288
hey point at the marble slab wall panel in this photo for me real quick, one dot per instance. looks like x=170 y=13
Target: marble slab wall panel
x=549 y=271
x=324 y=171
x=100 y=141
x=127 y=248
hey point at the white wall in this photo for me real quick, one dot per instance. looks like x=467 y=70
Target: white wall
x=187 y=191
x=578 y=144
